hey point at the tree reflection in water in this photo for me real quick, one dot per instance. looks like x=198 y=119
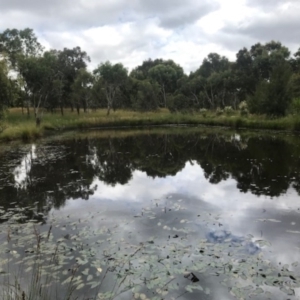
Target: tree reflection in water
x=50 y=173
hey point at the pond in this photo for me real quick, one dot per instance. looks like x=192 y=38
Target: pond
x=173 y=213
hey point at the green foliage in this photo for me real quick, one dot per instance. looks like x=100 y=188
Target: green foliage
x=147 y=96
x=295 y=85
x=273 y=97
x=166 y=77
x=19 y=43
x=180 y=103
x=4 y=88
x=112 y=77
x=81 y=88
x=296 y=106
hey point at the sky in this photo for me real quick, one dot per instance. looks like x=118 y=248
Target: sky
x=131 y=31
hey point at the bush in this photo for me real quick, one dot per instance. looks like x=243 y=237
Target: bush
x=219 y=111
x=203 y=112
x=296 y=106
x=244 y=112
x=243 y=107
x=228 y=110
x=180 y=103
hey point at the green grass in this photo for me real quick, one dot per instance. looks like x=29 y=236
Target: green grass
x=19 y=126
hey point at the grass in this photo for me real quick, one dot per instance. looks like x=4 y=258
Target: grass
x=18 y=126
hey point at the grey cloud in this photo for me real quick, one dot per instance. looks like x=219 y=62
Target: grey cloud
x=233 y=41
x=278 y=25
x=69 y=14
x=61 y=15
x=267 y=4
x=31 y=5
x=282 y=30
x=175 y=13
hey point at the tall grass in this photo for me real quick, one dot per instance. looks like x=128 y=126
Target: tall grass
x=19 y=126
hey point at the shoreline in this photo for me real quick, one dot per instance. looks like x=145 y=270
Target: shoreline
x=20 y=127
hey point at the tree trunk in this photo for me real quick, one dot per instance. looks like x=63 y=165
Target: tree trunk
x=164 y=95
x=62 y=110
x=84 y=105
x=108 y=110
x=28 y=110
x=38 y=121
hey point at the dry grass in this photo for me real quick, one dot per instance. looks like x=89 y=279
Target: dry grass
x=19 y=126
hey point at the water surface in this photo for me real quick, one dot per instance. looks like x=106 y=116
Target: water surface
x=212 y=211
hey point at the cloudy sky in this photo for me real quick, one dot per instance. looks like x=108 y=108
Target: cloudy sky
x=130 y=31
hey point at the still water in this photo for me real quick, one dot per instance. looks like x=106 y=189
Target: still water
x=179 y=213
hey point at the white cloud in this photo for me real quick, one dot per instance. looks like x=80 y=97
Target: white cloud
x=132 y=32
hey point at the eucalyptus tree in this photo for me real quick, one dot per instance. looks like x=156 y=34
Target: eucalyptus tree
x=40 y=75
x=82 y=89
x=18 y=43
x=4 y=87
x=129 y=93
x=141 y=72
x=266 y=72
x=211 y=84
x=166 y=76
x=274 y=96
x=256 y=64
x=70 y=61
x=295 y=62
x=295 y=78
x=112 y=77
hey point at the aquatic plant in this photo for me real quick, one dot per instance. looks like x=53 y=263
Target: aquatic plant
x=69 y=258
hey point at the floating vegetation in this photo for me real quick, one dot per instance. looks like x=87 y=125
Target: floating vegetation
x=73 y=259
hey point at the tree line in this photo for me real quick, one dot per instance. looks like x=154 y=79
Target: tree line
x=264 y=79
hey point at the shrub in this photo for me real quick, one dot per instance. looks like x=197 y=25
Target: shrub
x=203 y=112
x=219 y=111
x=228 y=110
x=296 y=106
x=181 y=103
x=243 y=107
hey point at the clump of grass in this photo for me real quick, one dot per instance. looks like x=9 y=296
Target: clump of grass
x=219 y=111
x=228 y=110
x=203 y=112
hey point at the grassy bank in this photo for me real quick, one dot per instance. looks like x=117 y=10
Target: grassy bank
x=19 y=126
